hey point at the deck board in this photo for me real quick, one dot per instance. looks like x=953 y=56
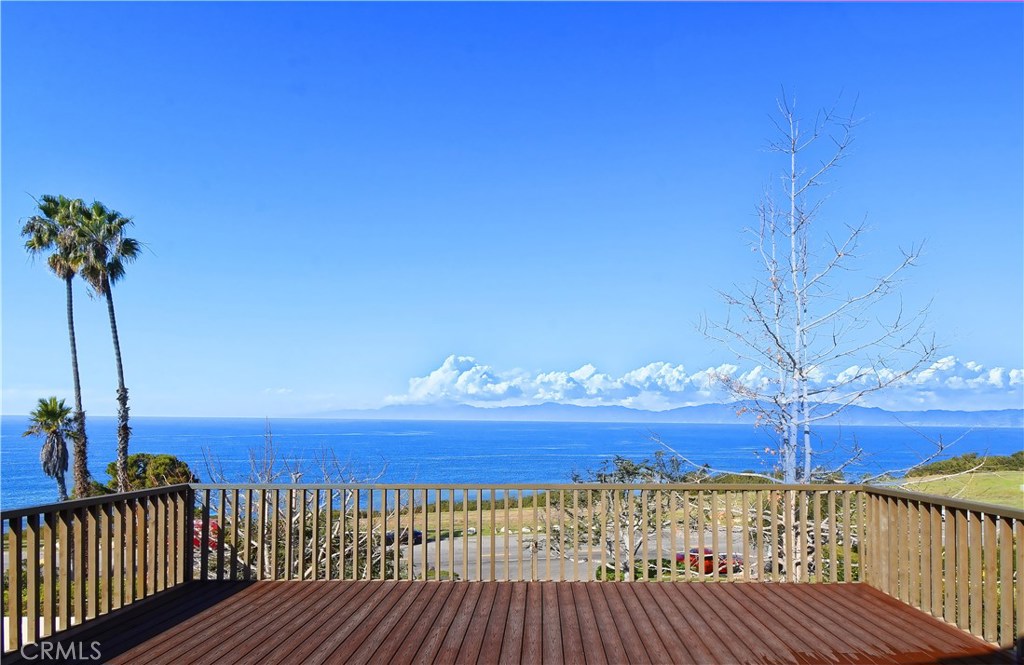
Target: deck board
x=529 y=622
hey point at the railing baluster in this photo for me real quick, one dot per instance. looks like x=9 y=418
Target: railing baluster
x=173 y=522
x=775 y=536
x=49 y=577
x=522 y=557
x=962 y=573
x=848 y=498
x=494 y=534
x=31 y=577
x=871 y=536
x=949 y=563
x=561 y=539
x=92 y=563
x=118 y=550
x=143 y=564
x=276 y=530
x=914 y=557
x=397 y=540
x=727 y=514
x=14 y=582
x=424 y=550
x=508 y=533
x=182 y=545
x=991 y=608
x=535 y=573
x=410 y=549
x=262 y=572
x=976 y=583
x=222 y=522
x=935 y=548
x=80 y=550
x=1018 y=530
x=301 y=572
x=925 y=560
x=757 y=517
x=1006 y=583
x=437 y=532
x=819 y=537
x=204 y=539
x=370 y=533
x=701 y=527
x=616 y=533
x=329 y=535
x=451 y=538
x=604 y=533
x=107 y=516
x=479 y=534
x=833 y=544
x=289 y=519
x=129 y=591
x=162 y=545
x=792 y=516
x=383 y=533
x=343 y=495
x=745 y=498
x=576 y=539
x=358 y=529
x=247 y=519
x=563 y=534
x=803 y=534
x=644 y=563
x=590 y=528
x=65 y=531
x=894 y=555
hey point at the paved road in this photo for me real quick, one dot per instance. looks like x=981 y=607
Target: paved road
x=522 y=562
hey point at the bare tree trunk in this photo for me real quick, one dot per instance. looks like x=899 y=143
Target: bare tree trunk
x=123 y=430
x=81 y=465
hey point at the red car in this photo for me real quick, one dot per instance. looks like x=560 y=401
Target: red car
x=708 y=566
x=197 y=533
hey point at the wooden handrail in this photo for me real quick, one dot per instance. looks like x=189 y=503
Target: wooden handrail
x=102 y=500
x=1007 y=512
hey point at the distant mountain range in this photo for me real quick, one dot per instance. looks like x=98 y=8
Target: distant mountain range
x=711 y=414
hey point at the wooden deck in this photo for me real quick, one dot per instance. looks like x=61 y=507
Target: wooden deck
x=526 y=622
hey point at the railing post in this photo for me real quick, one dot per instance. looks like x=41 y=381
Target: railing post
x=187 y=529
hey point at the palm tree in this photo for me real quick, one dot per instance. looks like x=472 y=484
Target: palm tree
x=55 y=231
x=53 y=420
x=105 y=251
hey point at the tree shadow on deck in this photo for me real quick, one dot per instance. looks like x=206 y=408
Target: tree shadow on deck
x=179 y=611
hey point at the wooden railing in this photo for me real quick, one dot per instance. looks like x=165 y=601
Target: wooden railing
x=531 y=532
x=957 y=560
x=68 y=562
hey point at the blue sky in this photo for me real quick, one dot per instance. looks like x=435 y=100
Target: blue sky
x=338 y=198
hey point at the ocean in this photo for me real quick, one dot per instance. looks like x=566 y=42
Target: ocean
x=446 y=452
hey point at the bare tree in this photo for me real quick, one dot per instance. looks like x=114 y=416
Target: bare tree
x=807 y=314
x=272 y=517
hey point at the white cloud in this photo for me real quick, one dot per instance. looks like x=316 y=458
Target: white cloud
x=947 y=383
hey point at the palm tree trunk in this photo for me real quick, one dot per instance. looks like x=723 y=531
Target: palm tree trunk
x=124 y=432
x=81 y=466
x=62 y=489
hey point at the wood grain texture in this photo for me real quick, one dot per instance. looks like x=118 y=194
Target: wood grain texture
x=528 y=622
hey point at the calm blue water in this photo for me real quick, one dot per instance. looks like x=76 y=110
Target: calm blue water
x=458 y=452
